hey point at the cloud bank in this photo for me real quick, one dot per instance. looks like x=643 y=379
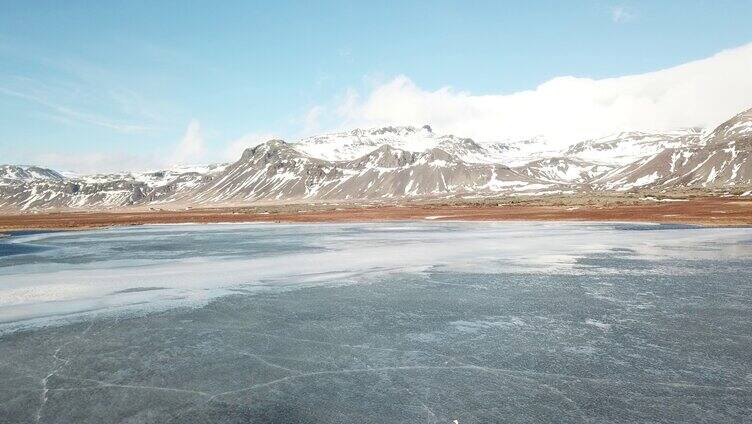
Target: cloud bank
x=566 y=109
x=191 y=147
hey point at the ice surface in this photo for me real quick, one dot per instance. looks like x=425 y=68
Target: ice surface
x=392 y=322
x=101 y=269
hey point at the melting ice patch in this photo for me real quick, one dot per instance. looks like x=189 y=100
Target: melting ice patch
x=159 y=267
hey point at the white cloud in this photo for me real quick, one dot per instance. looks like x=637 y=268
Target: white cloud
x=620 y=14
x=311 y=120
x=567 y=109
x=191 y=148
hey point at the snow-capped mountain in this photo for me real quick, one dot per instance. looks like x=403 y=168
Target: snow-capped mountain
x=626 y=147
x=277 y=171
x=615 y=150
x=31 y=188
x=720 y=160
x=406 y=163
x=345 y=146
x=563 y=170
x=27 y=174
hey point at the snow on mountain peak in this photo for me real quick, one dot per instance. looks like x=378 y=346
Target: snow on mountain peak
x=350 y=145
x=628 y=146
x=737 y=128
x=28 y=173
x=406 y=161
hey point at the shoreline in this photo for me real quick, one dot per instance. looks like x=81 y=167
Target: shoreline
x=701 y=211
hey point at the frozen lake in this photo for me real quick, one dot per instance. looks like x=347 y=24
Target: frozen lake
x=381 y=322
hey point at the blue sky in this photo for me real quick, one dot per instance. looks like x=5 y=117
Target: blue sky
x=101 y=85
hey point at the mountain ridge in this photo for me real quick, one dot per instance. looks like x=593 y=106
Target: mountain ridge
x=393 y=163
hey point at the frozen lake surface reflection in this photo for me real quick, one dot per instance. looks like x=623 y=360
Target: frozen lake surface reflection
x=381 y=322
